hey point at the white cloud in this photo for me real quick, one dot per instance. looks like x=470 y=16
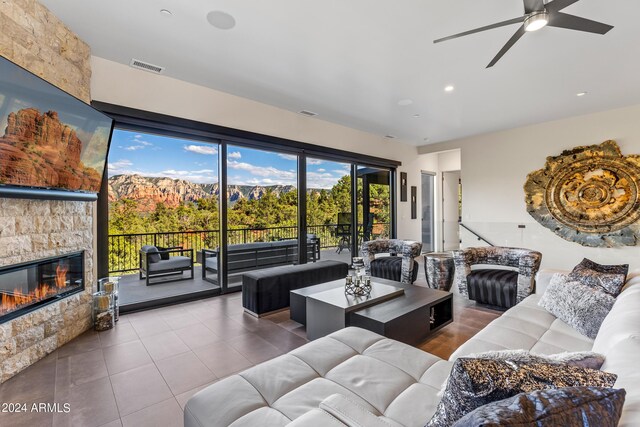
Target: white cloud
x=268 y=175
x=201 y=176
x=138 y=143
x=314 y=161
x=324 y=180
x=133 y=147
x=234 y=155
x=201 y=149
x=288 y=156
x=119 y=165
x=322 y=170
x=341 y=172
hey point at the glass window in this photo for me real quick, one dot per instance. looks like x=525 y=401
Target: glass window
x=163 y=192
x=329 y=218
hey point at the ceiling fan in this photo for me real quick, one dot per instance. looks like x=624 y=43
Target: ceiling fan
x=539 y=14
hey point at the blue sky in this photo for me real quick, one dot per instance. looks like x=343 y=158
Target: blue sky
x=160 y=156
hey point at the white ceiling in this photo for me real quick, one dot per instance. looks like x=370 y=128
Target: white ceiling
x=351 y=61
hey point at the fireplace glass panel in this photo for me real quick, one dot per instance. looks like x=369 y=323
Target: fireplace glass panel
x=24 y=287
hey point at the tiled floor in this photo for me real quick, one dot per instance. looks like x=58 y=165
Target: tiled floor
x=142 y=372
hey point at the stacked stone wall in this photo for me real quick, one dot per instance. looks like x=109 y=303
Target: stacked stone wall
x=35 y=39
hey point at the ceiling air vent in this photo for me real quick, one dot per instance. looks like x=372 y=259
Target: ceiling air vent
x=141 y=65
x=307 y=113
x=390 y=136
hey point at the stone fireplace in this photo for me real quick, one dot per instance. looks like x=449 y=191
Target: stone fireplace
x=33 y=230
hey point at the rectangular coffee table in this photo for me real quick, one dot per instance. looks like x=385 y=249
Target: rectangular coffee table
x=410 y=317
x=329 y=310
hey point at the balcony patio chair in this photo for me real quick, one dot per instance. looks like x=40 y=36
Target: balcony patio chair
x=161 y=262
x=502 y=287
x=400 y=265
x=343 y=231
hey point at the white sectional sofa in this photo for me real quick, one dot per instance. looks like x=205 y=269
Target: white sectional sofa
x=357 y=378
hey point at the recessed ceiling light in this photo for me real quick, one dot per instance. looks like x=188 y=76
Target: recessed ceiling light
x=581 y=93
x=415 y=116
x=221 y=20
x=166 y=12
x=405 y=102
x=449 y=88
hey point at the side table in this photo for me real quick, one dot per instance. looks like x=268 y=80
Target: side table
x=439 y=269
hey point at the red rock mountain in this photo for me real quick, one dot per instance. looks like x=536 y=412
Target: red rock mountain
x=39 y=150
x=148 y=191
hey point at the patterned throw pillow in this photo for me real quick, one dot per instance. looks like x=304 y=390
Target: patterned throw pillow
x=582 y=359
x=476 y=382
x=580 y=306
x=611 y=278
x=567 y=407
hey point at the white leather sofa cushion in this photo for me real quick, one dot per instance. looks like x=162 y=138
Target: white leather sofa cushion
x=352 y=414
x=526 y=326
x=314 y=418
x=619 y=340
x=623 y=321
x=396 y=383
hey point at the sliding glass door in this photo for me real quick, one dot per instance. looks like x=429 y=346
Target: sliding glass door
x=373 y=203
x=329 y=208
x=262 y=211
x=163 y=194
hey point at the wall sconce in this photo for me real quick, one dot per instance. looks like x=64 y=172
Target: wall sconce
x=414 y=202
x=403 y=186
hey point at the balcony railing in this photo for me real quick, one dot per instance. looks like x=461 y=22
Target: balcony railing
x=124 y=249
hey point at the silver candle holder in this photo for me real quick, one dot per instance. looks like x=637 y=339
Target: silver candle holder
x=358 y=286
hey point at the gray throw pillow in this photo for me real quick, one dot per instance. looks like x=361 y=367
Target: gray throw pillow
x=611 y=278
x=476 y=382
x=580 y=306
x=154 y=256
x=567 y=407
x=582 y=359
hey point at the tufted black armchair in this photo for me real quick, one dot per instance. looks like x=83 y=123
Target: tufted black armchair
x=500 y=287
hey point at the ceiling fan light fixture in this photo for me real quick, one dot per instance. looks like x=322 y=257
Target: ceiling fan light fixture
x=536 y=21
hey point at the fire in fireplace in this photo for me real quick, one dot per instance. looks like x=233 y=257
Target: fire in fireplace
x=27 y=286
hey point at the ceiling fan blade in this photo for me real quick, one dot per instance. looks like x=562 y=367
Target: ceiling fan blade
x=485 y=28
x=508 y=46
x=533 y=6
x=571 y=22
x=558 y=5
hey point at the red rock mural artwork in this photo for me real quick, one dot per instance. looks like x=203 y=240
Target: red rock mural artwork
x=40 y=151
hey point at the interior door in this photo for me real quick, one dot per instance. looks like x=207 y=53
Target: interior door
x=451 y=209
x=428 y=181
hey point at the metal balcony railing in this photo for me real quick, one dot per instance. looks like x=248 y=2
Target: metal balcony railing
x=124 y=249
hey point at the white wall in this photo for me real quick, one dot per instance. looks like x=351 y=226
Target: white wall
x=120 y=84
x=494 y=170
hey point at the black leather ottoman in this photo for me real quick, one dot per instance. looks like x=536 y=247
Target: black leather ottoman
x=267 y=290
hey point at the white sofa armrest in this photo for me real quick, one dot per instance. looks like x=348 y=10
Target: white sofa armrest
x=544 y=277
x=352 y=414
